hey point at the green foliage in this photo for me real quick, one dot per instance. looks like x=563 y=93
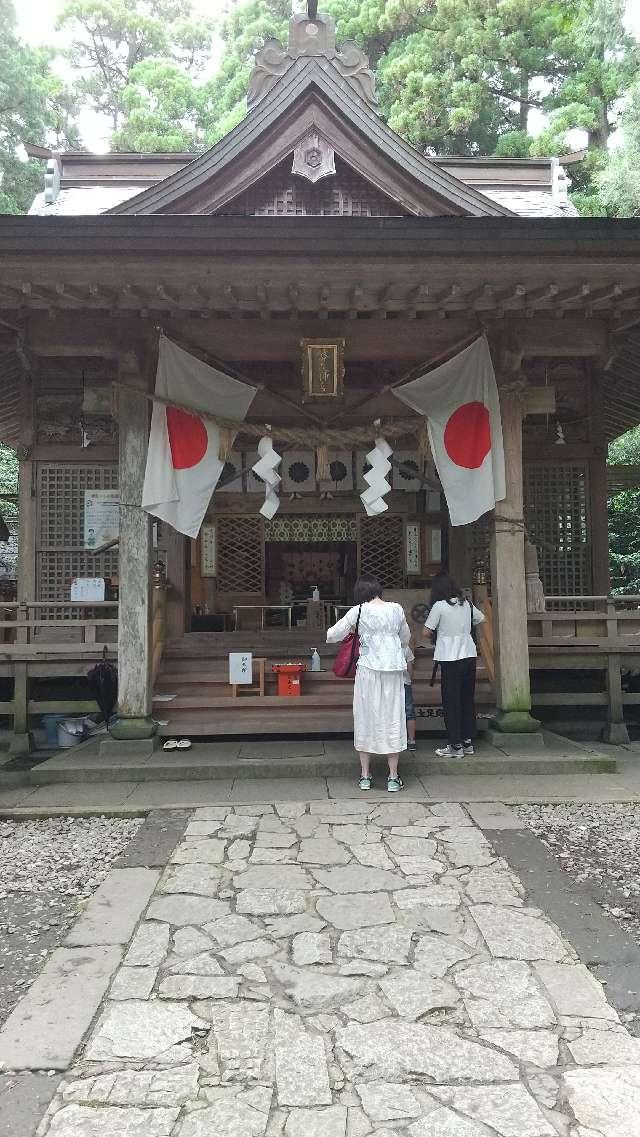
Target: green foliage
x=619 y=182
x=35 y=107
x=139 y=62
x=8 y=470
x=624 y=512
x=247 y=26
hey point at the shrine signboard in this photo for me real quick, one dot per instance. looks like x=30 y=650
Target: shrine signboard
x=323 y=368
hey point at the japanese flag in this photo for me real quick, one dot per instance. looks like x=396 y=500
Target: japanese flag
x=462 y=407
x=183 y=467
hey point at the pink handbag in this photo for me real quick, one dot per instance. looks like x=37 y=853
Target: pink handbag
x=344 y=665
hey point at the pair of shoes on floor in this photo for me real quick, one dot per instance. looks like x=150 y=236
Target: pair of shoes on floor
x=393 y=784
x=177 y=744
x=455 y=751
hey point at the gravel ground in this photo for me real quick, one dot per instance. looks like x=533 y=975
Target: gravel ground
x=599 y=845
x=47 y=869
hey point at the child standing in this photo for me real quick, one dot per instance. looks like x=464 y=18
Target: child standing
x=409 y=707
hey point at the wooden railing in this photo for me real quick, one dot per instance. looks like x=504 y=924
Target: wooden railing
x=611 y=623
x=595 y=634
x=29 y=628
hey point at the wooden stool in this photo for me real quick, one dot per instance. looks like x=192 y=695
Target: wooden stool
x=254 y=689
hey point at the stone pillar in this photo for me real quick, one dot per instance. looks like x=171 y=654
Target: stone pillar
x=513 y=694
x=133 y=719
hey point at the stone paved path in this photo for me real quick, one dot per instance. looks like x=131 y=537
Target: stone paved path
x=341 y=969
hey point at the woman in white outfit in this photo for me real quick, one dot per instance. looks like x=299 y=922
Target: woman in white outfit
x=450 y=622
x=379 y=724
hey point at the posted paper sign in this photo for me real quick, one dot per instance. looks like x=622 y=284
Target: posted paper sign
x=240 y=667
x=101 y=517
x=87 y=588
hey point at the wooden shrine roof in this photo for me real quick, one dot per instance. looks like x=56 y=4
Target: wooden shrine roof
x=563 y=286
x=311 y=92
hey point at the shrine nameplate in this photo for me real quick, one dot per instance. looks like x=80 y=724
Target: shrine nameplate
x=208 y=551
x=322 y=368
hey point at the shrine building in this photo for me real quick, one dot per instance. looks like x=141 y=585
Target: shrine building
x=316 y=255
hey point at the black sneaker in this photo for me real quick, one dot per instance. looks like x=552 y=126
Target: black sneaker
x=411 y=746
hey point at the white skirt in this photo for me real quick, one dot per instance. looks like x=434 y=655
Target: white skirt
x=379 y=724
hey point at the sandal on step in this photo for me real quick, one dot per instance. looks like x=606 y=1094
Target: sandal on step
x=184 y=744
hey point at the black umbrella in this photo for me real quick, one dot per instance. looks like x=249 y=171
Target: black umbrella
x=103 y=684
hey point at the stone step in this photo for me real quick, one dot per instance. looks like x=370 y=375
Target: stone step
x=278 y=759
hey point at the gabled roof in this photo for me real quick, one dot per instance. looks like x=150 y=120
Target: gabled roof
x=312 y=93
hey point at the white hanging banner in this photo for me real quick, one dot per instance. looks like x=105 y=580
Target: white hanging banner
x=266 y=468
x=376 y=478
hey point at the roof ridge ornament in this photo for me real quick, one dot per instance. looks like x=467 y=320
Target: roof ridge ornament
x=311 y=35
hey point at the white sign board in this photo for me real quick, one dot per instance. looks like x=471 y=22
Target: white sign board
x=101 y=517
x=87 y=588
x=240 y=667
x=412 y=547
x=208 y=565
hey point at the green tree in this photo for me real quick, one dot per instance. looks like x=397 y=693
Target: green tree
x=8 y=509
x=619 y=182
x=624 y=511
x=35 y=107
x=139 y=62
x=243 y=30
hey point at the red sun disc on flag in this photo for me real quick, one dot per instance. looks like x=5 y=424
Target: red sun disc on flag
x=467 y=435
x=188 y=438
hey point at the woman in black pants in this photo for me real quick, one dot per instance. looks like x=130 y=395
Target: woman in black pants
x=450 y=621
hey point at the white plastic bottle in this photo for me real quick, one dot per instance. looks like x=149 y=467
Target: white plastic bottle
x=315 y=660
x=315 y=595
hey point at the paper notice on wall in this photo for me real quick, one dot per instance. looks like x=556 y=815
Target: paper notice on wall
x=101 y=517
x=240 y=667
x=87 y=588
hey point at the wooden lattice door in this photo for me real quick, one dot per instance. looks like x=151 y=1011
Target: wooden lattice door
x=558 y=520
x=240 y=555
x=60 y=552
x=381 y=550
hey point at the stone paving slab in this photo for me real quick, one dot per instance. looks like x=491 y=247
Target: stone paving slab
x=422 y=996
x=115 y=908
x=46 y=1028
x=155 y=840
x=23 y=1100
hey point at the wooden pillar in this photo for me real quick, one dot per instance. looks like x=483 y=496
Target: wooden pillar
x=511 y=644
x=133 y=719
x=177 y=590
x=598 y=492
x=21 y=740
x=599 y=523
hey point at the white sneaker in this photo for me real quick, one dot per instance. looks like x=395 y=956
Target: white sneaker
x=467 y=748
x=449 y=752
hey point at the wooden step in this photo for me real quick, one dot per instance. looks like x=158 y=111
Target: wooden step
x=266 y=703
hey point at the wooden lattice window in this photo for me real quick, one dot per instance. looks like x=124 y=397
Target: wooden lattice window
x=60 y=553
x=556 y=497
x=240 y=554
x=382 y=549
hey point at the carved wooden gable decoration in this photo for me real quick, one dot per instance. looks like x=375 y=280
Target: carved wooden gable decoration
x=312 y=144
